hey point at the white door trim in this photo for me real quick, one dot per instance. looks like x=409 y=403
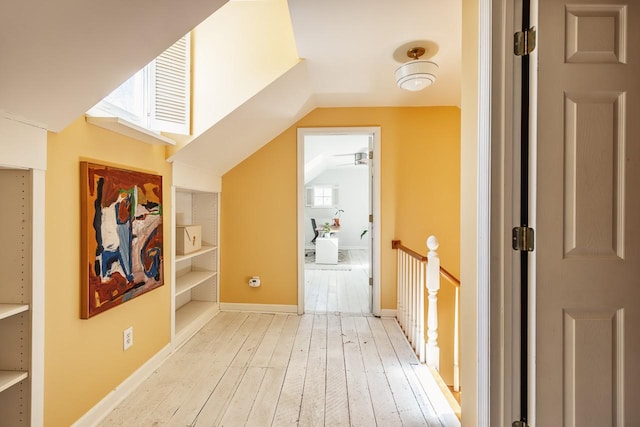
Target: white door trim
x=503 y=169
x=375 y=131
x=484 y=211
x=504 y=274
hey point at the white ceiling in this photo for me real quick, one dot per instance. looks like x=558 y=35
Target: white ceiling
x=318 y=145
x=59 y=58
x=349 y=47
x=323 y=152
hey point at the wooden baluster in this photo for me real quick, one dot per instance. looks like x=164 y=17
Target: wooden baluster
x=416 y=320
x=407 y=300
x=419 y=304
x=410 y=300
x=433 y=286
x=404 y=287
x=456 y=342
x=421 y=285
x=400 y=290
x=412 y=310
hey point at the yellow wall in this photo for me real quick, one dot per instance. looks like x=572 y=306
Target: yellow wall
x=428 y=184
x=237 y=52
x=84 y=359
x=258 y=218
x=468 y=209
x=258 y=226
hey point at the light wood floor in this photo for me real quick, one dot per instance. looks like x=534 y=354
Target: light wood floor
x=339 y=291
x=254 y=369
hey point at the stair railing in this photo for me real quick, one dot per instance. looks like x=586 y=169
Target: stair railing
x=416 y=273
x=411 y=283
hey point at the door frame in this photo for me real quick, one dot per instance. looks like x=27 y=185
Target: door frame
x=374 y=192
x=504 y=186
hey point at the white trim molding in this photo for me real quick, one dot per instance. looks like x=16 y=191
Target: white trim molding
x=375 y=132
x=22 y=145
x=483 y=312
x=96 y=414
x=129 y=129
x=37 y=297
x=258 y=308
x=388 y=312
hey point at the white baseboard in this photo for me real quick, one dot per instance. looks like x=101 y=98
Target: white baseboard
x=117 y=395
x=258 y=308
x=387 y=312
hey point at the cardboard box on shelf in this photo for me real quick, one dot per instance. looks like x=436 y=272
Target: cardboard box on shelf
x=188 y=239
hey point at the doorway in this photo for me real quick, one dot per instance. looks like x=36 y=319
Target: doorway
x=337 y=232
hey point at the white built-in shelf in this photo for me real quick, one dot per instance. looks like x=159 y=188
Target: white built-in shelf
x=203 y=250
x=191 y=280
x=195 y=297
x=9 y=378
x=8 y=310
x=192 y=316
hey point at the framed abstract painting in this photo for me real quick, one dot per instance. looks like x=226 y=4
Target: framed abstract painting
x=121 y=235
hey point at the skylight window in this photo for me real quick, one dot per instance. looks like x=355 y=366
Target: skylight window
x=157 y=97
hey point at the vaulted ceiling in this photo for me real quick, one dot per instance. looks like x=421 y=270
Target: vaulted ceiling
x=59 y=58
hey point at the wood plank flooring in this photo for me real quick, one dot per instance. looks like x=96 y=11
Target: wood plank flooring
x=250 y=369
x=339 y=291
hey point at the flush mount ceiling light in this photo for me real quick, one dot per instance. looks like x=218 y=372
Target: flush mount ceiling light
x=416 y=74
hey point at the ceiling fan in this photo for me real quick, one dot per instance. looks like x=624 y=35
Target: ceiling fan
x=359 y=158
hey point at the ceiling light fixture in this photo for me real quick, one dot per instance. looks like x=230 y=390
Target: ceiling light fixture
x=416 y=74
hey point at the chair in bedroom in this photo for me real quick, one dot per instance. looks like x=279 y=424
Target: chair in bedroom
x=316 y=233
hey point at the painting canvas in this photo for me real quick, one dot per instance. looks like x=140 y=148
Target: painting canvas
x=122 y=252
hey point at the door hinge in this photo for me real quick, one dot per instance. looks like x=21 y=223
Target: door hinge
x=370 y=281
x=523 y=238
x=524 y=42
x=519 y=424
x=370 y=154
x=370 y=217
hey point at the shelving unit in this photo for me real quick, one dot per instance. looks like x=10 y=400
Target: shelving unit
x=9 y=378
x=195 y=289
x=15 y=297
x=8 y=310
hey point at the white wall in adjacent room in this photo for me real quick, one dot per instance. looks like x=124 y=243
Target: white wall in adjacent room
x=353 y=198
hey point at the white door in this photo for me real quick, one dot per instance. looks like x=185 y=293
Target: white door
x=587 y=284
x=372 y=195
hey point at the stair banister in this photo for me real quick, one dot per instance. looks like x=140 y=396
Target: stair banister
x=433 y=286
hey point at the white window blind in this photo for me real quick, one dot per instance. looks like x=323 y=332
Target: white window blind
x=170 y=109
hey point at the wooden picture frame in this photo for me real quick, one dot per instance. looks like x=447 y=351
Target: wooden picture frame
x=122 y=252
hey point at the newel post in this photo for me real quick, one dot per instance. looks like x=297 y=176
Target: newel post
x=433 y=286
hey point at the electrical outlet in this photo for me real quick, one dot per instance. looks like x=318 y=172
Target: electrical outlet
x=127 y=338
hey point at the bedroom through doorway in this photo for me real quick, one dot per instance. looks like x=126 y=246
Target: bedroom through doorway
x=335 y=209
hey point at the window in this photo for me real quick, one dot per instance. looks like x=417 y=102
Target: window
x=157 y=97
x=322 y=196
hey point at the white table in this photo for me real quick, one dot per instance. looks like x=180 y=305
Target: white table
x=327 y=250
x=334 y=229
